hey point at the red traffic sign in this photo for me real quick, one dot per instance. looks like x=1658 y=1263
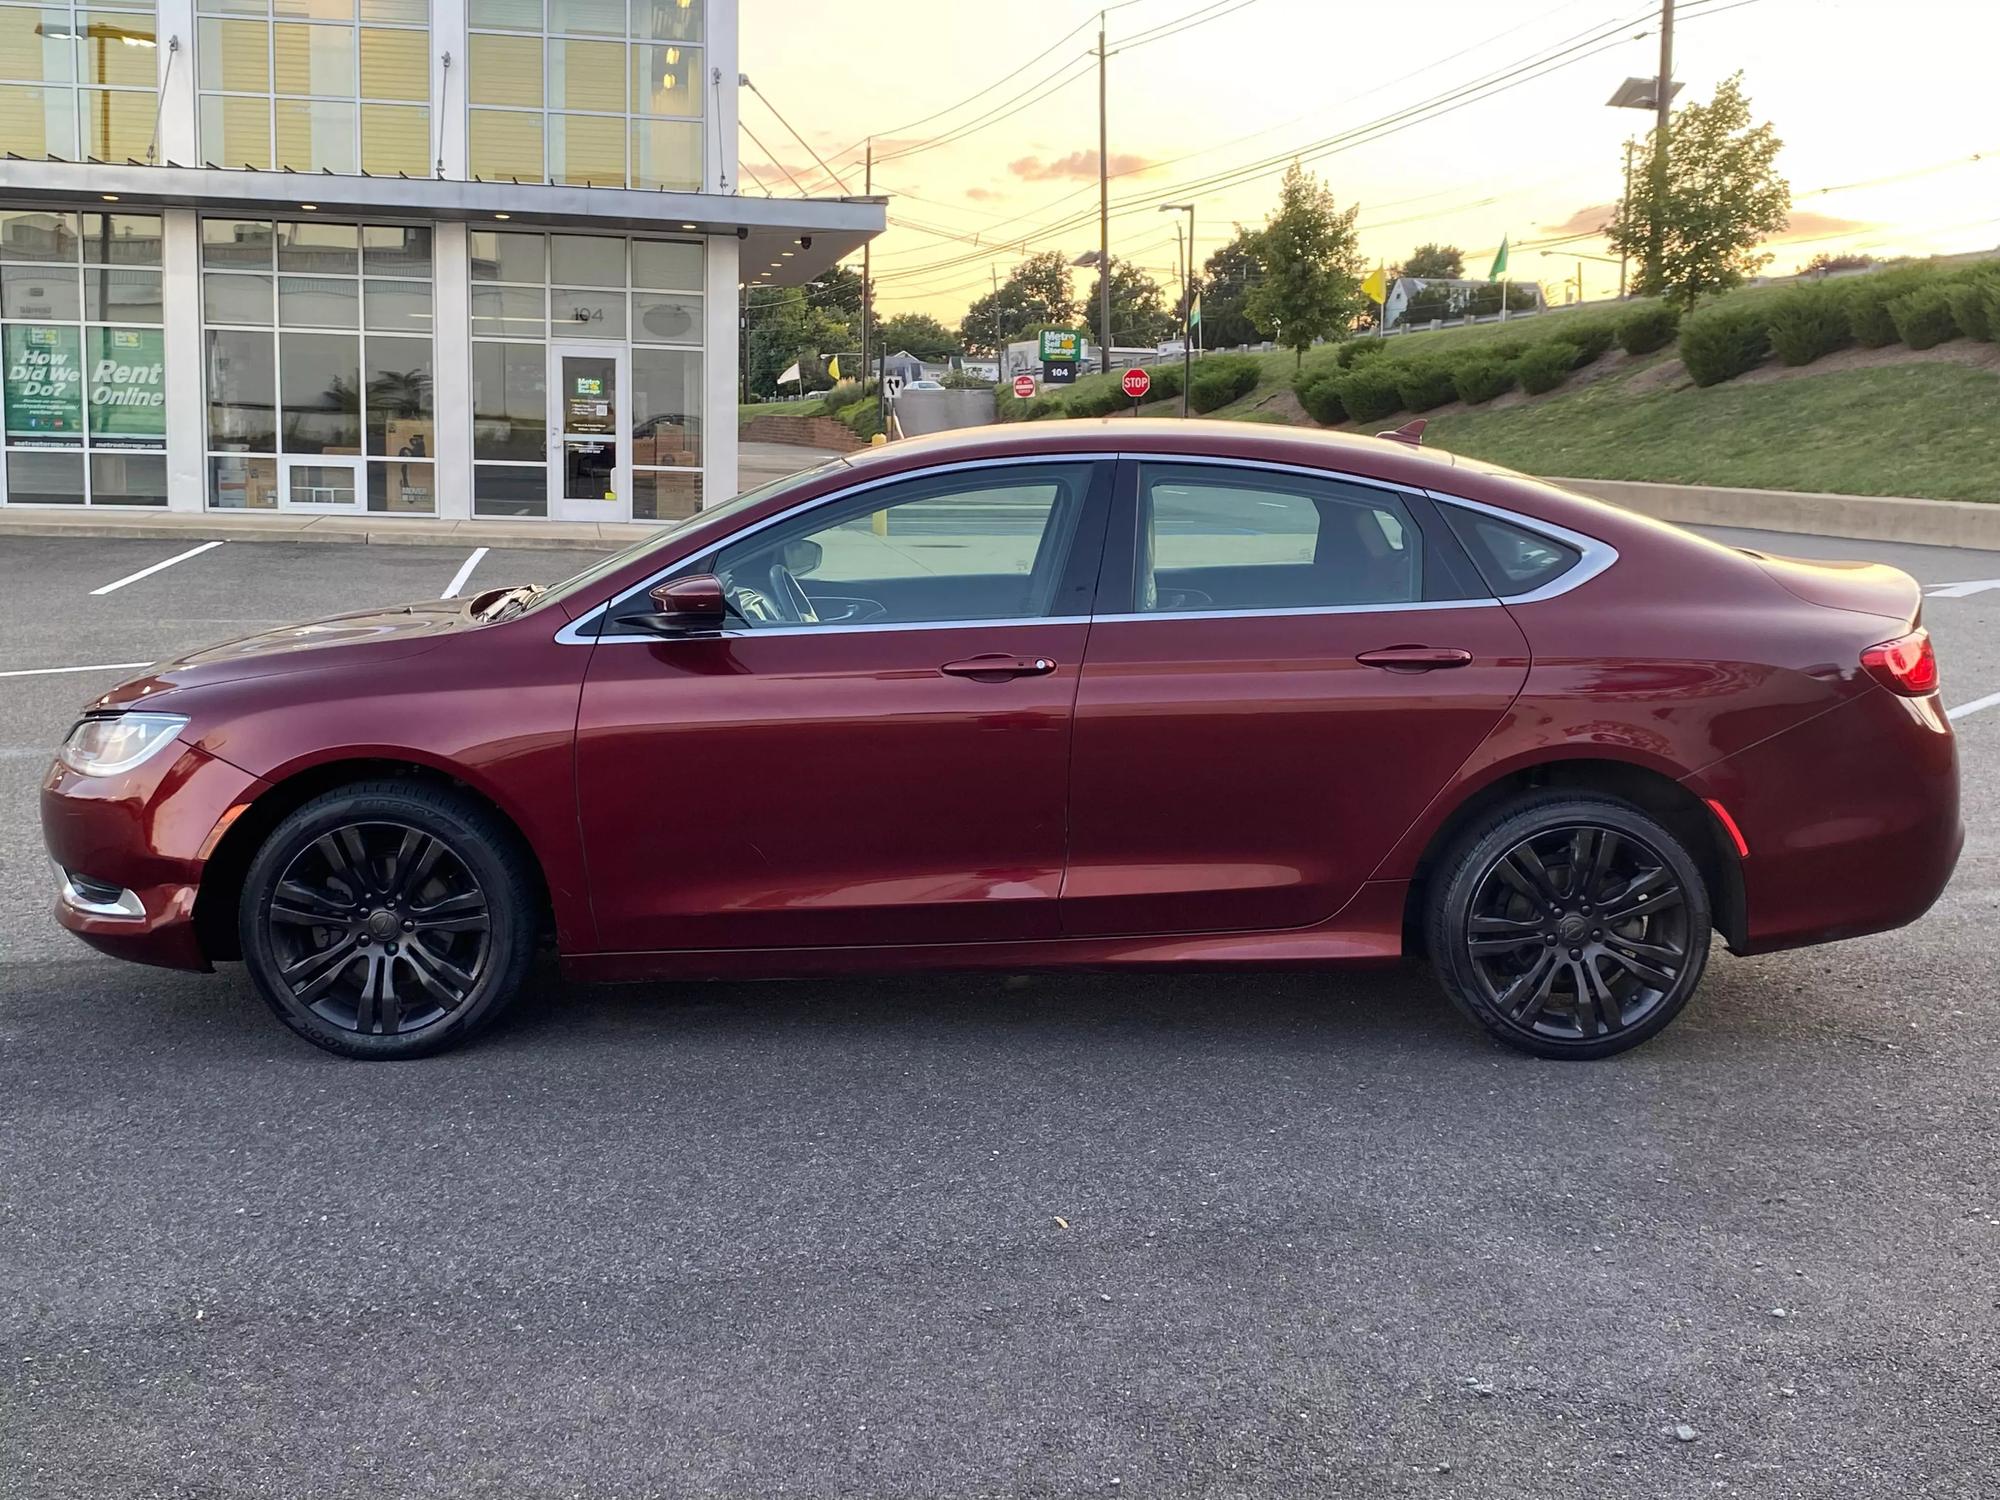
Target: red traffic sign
x=1137 y=383
x=1024 y=387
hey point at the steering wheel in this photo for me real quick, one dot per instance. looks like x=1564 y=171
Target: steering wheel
x=788 y=596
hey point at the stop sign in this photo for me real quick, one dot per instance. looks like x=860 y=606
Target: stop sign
x=1137 y=383
x=1024 y=387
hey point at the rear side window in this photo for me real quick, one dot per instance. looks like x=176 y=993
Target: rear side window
x=1512 y=559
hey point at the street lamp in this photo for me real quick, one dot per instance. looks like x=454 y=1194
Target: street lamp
x=1187 y=302
x=1580 y=259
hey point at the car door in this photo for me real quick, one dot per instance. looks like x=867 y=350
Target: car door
x=876 y=748
x=1286 y=666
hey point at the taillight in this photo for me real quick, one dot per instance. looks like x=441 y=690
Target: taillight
x=1906 y=665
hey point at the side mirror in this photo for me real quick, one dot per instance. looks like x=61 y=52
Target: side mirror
x=685 y=606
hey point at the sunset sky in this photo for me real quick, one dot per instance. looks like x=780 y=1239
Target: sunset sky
x=1882 y=108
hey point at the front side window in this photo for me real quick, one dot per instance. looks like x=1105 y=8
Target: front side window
x=1213 y=538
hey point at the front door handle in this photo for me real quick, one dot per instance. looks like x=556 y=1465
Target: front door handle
x=998 y=667
x=1414 y=658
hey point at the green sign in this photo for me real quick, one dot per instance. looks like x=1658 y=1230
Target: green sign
x=44 y=388
x=1061 y=346
x=128 y=386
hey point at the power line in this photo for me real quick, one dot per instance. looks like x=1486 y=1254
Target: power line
x=776 y=161
x=795 y=135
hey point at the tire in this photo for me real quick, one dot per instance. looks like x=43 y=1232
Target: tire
x=389 y=919
x=1559 y=968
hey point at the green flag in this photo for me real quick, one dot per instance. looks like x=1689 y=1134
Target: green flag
x=1194 y=311
x=1499 y=262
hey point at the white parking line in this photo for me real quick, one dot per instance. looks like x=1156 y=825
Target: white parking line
x=465 y=571
x=149 y=572
x=1966 y=710
x=1963 y=590
x=109 y=666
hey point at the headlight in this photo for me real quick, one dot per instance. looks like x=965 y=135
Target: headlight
x=105 y=747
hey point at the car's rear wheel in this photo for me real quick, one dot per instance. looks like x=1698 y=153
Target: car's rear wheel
x=388 y=919
x=1569 y=925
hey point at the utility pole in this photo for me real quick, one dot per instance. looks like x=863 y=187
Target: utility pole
x=868 y=300
x=1625 y=214
x=999 y=345
x=1187 y=298
x=1103 y=207
x=1664 y=92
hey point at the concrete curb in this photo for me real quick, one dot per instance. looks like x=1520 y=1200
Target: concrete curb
x=1868 y=518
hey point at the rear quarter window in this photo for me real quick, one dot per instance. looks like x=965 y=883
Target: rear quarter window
x=1513 y=559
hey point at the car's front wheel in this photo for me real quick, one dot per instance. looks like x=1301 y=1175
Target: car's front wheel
x=388 y=919
x=1569 y=925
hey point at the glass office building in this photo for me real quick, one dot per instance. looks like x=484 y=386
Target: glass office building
x=387 y=258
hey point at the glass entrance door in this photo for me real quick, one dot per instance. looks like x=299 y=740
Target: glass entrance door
x=590 y=466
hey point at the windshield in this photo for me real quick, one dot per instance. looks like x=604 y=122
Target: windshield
x=604 y=567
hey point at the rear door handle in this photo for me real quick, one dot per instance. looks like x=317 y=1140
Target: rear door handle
x=998 y=667
x=1414 y=658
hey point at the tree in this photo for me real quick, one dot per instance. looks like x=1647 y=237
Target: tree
x=1036 y=293
x=919 y=334
x=1225 y=282
x=789 y=324
x=1721 y=198
x=1312 y=266
x=1433 y=262
x=839 y=292
x=1139 y=316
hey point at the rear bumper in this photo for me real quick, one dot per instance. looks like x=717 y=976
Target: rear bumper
x=129 y=851
x=1851 y=819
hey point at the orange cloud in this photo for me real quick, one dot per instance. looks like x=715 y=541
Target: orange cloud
x=1805 y=223
x=1078 y=164
x=1585 y=220
x=982 y=195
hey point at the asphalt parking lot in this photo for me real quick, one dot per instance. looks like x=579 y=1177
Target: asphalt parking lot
x=1298 y=1235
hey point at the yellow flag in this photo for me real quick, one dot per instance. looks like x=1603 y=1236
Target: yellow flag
x=1375 y=287
x=833 y=368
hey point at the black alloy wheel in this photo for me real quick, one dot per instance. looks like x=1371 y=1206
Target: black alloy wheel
x=1571 y=927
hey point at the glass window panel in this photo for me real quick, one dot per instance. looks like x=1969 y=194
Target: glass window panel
x=508 y=15
x=310 y=245
x=242 y=386
x=510 y=403
x=236 y=132
x=669 y=265
x=234 y=7
x=243 y=483
x=318 y=302
x=395 y=64
x=587 y=75
x=667 y=20
x=575 y=313
x=117 y=123
x=666 y=317
x=395 y=138
x=237 y=242
x=508 y=312
x=316 y=10
x=415 y=12
x=122 y=239
x=313 y=59
x=38 y=234
x=128 y=478
x=666 y=79
x=665 y=495
x=236 y=299
x=587 y=259
x=666 y=154
x=44 y=478
x=593 y=17
x=396 y=250
x=399 y=398
x=506 y=70
x=398 y=307
x=666 y=408
x=402 y=488
x=118 y=48
x=587 y=149
x=506 y=145
x=128 y=387
x=35 y=45
x=505 y=490
x=37 y=122
x=234 y=55
x=120 y=296
x=40 y=292
x=500 y=256
x=321 y=484
x=44 y=384
x=319 y=380
x=315 y=135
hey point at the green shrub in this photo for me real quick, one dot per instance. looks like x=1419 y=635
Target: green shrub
x=863 y=418
x=1590 y=340
x=1319 y=393
x=1992 y=308
x=1544 y=366
x=1808 y=322
x=1045 y=408
x=1424 y=383
x=1969 y=301
x=1867 y=300
x=1478 y=380
x=1507 y=348
x=1645 y=329
x=1099 y=399
x=1722 y=343
x=1355 y=350
x=842 y=395
x=1166 y=381
x=1923 y=318
x=1221 y=379
x=1370 y=392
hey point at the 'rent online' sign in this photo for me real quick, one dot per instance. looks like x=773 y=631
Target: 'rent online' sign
x=45 y=385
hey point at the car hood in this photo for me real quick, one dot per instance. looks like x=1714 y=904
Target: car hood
x=1863 y=587
x=338 y=640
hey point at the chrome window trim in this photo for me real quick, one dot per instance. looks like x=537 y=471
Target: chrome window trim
x=1597 y=555
x=1303 y=609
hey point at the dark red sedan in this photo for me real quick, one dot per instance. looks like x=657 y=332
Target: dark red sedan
x=1105 y=693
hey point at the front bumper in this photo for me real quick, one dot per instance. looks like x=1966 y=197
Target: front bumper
x=129 y=851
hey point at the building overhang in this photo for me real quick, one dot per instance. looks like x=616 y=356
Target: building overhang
x=784 y=241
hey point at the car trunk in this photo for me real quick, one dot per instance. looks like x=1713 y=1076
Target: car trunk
x=1863 y=587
